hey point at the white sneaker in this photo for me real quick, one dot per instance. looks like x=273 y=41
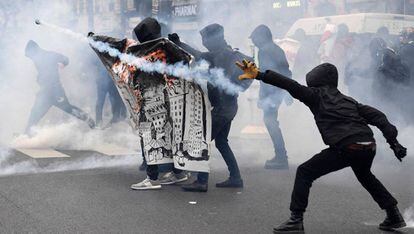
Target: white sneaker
x=171 y=178
x=147 y=184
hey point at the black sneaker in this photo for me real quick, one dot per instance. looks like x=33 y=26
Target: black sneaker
x=394 y=220
x=277 y=164
x=231 y=183
x=195 y=187
x=293 y=225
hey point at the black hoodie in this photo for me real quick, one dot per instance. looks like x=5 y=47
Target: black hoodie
x=340 y=119
x=47 y=65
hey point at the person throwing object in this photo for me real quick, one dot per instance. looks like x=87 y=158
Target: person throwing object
x=343 y=124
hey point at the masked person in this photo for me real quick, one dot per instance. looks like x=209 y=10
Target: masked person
x=219 y=55
x=343 y=124
x=272 y=57
x=51 y=90
x=406 y=51
x=106 y=87
x=147 y=30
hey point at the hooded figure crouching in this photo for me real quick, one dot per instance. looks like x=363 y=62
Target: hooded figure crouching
x=343 y=124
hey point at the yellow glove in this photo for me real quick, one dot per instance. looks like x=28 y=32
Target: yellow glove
x=249 y=68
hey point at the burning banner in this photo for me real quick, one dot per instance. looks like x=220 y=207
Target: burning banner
x=171 y=114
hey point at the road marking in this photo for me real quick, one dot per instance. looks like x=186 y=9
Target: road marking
x=113 y=150
x=43 y=153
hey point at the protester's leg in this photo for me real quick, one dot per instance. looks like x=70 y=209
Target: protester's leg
x=200 y=185
x=151 y=182
x=202 y=177
x=63 y=104
x=270 y=118
x=152 y=172
x=329 y=160
x=221 y=140
x=100 y=102
x=39 y=109
x=361 y=165
x=279 y=161
x=117 y=106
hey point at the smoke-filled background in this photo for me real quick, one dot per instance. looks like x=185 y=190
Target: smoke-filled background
x=18 y=86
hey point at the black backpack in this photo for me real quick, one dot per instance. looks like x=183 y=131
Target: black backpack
x=392 y=68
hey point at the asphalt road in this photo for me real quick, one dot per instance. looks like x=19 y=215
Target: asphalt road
x=98 y=200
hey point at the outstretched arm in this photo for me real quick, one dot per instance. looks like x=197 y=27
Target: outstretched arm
x=378 y=119
x=302 y=93
x=390 y=132
x=298 y=91
x=176 y=39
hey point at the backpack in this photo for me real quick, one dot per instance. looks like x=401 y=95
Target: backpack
x=392 y=68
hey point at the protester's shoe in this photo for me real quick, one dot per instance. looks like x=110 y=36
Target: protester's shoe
x=277 y=164
x=231 y=183
x=293 y=225
x=195 y=187
x=172 y=178
x=147 y=184
x=393 y=220
x=143 y=166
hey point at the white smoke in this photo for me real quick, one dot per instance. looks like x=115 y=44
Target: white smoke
x=63 y=136
x=8 y=167
x=409 y=216
x=199 y=72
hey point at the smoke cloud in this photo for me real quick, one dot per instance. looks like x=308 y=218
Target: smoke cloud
x=199 y=72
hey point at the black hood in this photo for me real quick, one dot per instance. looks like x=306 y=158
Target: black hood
x=147 y=30
x=263 y=32
x=325 y=74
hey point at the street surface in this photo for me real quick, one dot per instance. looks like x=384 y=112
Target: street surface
x=99 y=200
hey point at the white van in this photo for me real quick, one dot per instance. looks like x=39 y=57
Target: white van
x=357 y=23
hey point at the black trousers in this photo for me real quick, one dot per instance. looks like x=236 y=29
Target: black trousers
x=117 y=106
x=330 y=160
x=221 y=125
x=45 y=99
x=152 y=171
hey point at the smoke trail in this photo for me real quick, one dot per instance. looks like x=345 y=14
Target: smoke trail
x=198 y=72
x=409 y=216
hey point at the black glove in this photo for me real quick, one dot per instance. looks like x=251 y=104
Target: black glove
x=91 y=34
x=174 y=38
x=399 y=150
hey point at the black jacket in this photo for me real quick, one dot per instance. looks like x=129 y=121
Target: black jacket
x=225 y=59
x=340 y=119
x=407 y=58
x=47 y=65
x=272 y=57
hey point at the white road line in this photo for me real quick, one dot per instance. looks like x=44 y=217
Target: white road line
x=43 y=153
x=113 y=150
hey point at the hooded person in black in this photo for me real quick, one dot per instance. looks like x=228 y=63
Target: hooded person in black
x=147 y=30
x=272 y=57
x=51 y=90
x=219 y=55
x=343 y=124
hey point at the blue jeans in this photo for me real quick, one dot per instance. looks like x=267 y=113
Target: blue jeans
x=272 y=124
